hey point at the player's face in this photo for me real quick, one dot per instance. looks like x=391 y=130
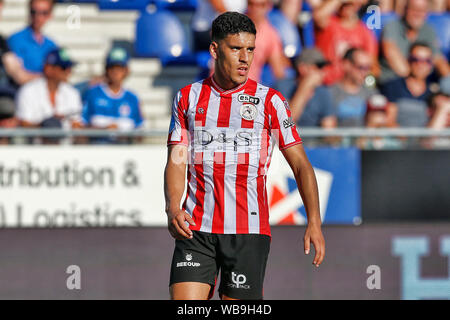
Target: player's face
x=233 y=57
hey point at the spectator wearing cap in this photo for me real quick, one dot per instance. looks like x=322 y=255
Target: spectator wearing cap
x=377 y=117
x=410 y=95
x=397 y=38
x=50 y=101
x=30 y=44
x=350 y=95
x=337 y=29
x=109 y=105
x=311 y=103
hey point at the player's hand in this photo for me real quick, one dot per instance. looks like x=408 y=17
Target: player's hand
x=177 y=225
x=313 y=234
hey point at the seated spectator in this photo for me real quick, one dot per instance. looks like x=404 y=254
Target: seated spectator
x=338 y=28
x=350 y=95
x=49 y=101
x=30 y=44
x=108 y=105
x=312 y=104
x=269 y=48
x=377 y=117
x=397 y=38
x=206 y=12
x=410 y=94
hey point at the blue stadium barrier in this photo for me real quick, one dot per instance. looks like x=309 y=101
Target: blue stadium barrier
x=160 y=34
x=441 y=25
x=122 y=4
x=288 y=32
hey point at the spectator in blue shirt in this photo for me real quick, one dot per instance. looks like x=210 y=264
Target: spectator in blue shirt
x=108 y=105
x=30 y=44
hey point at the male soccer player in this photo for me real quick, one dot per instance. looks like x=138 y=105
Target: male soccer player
x=224 y=127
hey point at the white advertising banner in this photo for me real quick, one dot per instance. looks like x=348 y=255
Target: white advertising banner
x=122 y=186
x=82 y=186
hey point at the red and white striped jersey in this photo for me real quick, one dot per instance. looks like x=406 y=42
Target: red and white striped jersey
x=230 y=137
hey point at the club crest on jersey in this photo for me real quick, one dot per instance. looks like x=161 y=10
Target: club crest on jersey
x=248 y=112
x=125 y=110
x=248 y=98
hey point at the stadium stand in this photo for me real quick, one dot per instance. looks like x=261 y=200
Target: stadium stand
x=88 y=43
x=441 y=25
x=160 y=34
x=288 y=32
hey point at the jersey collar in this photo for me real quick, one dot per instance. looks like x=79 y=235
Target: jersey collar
x=226 y=92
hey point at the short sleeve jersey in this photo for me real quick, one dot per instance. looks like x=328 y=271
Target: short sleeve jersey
x=230 y=137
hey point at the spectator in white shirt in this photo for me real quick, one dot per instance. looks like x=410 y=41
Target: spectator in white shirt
x=50 y=101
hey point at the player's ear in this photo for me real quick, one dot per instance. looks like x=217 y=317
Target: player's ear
x=214 y=49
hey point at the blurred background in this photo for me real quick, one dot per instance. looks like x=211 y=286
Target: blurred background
x=86 y=89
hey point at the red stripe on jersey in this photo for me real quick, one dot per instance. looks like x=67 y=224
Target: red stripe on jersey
x=203 y=102
x=223 y=120
x=219 y=192
x=250 y=89
x=198 y=211
x=182 y=108
x=276 y=126
x=241 y=193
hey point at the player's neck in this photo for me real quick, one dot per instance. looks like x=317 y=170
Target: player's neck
x=222 y=84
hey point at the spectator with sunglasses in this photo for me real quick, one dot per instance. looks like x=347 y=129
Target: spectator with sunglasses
x=312 y=104
x=397 y=38
x=30 y=44
x=350 y=95
x=409 y=95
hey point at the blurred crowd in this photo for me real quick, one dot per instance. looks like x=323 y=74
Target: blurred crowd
x=35 y=92
x=352 y=75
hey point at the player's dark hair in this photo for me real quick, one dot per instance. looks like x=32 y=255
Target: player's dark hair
x=231 y=23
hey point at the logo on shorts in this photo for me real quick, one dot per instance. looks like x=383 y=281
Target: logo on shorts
x=239 y=281
x=188 y=263
x=248 y=112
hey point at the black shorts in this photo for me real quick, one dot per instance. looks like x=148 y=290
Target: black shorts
x=241 y=259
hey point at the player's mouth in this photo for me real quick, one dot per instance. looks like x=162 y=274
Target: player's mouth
x=242 y=70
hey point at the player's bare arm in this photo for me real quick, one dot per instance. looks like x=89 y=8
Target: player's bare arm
x=307 y=185
x=174 y=182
